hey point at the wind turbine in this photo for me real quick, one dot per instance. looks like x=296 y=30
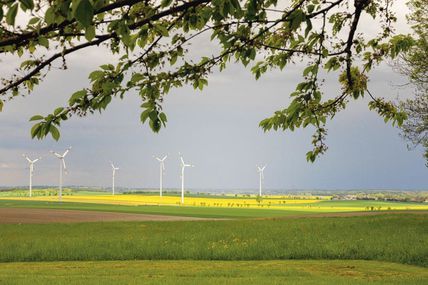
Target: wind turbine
x=261 y=177
x=31 y=163
x=62 y=168
x=161 y=170
x=183 y=166
x=113 y=174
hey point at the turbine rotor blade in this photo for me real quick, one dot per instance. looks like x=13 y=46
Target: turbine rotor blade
x=56 y=154
x=65 y=167
x=27 y=158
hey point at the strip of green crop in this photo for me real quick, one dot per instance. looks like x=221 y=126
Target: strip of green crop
x=204 y=212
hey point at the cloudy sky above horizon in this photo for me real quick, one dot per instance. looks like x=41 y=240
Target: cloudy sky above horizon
x=217 y=130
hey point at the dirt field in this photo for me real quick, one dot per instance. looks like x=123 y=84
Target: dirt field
x=43 y=216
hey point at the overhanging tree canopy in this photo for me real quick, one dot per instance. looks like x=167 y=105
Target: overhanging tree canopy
x=152 y=40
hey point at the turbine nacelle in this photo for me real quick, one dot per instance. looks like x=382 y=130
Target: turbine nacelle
x=161 y=161
x=261 y=170
x=183 y=164
x=113 y=167
x=29 y=160
x=59 y=155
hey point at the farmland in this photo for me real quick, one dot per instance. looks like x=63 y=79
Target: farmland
x=302 y=241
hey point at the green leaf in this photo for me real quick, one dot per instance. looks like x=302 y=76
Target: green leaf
x=310 y=156
x=99 y=4
x=1 y=105
x=162 y=30
x=58 y=111
x=308 y=27
x=36 y=118
x=163 y=118
x=107 y=67
x=54 y=132
x=35 y=130
x=166 y=3
x=27 y=4
x=43 y=42
x=308 y=70
x=95 y=75
x=84 y=13
x=1 y=13
x=33 y=21
x=137 y=77
x=296 y=18
x=173 y=59
x=145 y=115
x=11 y=14
x=148 y=105
x=50 y=16
x=90 y=33
x=77 y=96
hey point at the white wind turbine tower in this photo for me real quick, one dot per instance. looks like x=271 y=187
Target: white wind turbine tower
x=161 y=170
x=31 y=163
x=261 y=177
x=62 y=168
x=183 y=166
x=113 y=175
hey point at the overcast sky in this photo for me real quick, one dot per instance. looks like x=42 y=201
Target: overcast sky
x=217 y=130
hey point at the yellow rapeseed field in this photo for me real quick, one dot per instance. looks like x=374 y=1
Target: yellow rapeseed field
x=307 y=203
x=172 y=200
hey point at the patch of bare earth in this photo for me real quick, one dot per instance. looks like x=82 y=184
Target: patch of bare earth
x=44 y=216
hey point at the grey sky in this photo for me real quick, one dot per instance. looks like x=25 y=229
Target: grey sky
x=217 y=130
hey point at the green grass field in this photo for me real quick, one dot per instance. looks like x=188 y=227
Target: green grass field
x=401 y=238
x=212 y=272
